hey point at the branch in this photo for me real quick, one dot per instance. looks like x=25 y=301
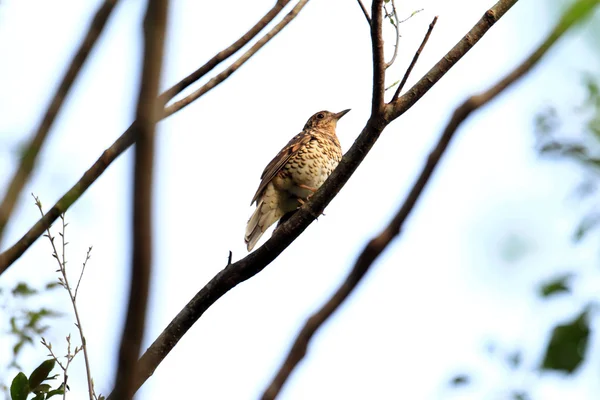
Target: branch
x=414 y=60
x=379 y=243
x=147 y=112
x=29 y=156
x=364 y=10
x=396 y=24
x=223 y=55
x=178 y=105
x=10 y=255
x=242 y=270
x=408 y=99
x=378 y=58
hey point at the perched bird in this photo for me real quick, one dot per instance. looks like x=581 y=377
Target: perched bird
x=295 y=173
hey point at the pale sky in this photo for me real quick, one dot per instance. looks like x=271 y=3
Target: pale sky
x=433 y=301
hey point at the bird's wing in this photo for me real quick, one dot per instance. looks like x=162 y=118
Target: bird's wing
x=280 y=159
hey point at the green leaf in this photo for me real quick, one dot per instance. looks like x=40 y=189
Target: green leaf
x=41 y=373
x=43 y=388
x=460 y=380
x=39 y=396
x=568 y=345
x=19 y=388
x=58 y=391
x=556 y=286
x=22 y=289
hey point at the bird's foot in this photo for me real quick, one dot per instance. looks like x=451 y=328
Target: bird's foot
x=312 y=189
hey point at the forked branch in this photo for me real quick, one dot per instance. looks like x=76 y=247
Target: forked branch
x=379 y=243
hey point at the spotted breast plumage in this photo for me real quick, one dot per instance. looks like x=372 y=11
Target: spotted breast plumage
x=295 y=173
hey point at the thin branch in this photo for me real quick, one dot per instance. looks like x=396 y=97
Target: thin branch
x=10 y=255
x=364 y=10
x=408 y=99
x=29 y=156
x=379 y=243
x=87 y=258
x=180 y=104
x=255 y=262
x=62 y=268
x=414 y=60
x=396 y=24
x=223 y=55
x=148 y=107
x=378 y=58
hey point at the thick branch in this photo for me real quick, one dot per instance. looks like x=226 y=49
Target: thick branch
x=10 y=255
x=379 y=243
x=147 y=112
x=255 y=262
x=378 y=57
x=29 y=156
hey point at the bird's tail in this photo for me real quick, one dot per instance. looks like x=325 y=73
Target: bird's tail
x=265 y=215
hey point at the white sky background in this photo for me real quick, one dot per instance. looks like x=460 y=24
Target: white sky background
x=431 y=304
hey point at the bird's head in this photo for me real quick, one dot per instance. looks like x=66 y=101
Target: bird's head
x=325 y=120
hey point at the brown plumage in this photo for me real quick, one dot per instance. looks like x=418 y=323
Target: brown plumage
x=295 y=173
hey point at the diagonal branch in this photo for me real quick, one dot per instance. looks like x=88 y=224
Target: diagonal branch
x=178 y=105
x=29 y=156
x=223 y=55
x=415 y=58
x=379 y=243
x=408 y=99
x=378 y=58
x=365 y=12
x=147 y=112
x=241 y=270
x=10 y=255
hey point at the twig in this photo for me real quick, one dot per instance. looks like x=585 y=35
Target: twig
x=255 y=262
x=364 y=10
x=396 y=24
x=229 y=258
x=378 y=58
x=399 y=106
x=62 y=263
x=180 y=104
x=378 y=244
x=155 y=23
x=414 y=60
x=87 y=258
x=29 y=156
x=10 y=255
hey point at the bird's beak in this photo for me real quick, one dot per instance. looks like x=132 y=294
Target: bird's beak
x=341 y=114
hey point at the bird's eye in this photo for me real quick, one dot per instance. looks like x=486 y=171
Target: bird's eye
x=320 y=115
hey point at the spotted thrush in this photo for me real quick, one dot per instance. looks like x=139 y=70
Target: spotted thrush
x=293 y=176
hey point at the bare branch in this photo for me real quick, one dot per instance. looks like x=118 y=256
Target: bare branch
x=396 y=24
x=62 y=268
x=408 y=99
x=221 y=56
x=378 y=244
x=147 y=114
x=241 y=270
x=178 y=105
x=364 y=10
x=378 y=58
x=10 y=255
x=29 y=156
x=414 y=60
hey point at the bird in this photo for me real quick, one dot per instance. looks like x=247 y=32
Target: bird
x=295 y=174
